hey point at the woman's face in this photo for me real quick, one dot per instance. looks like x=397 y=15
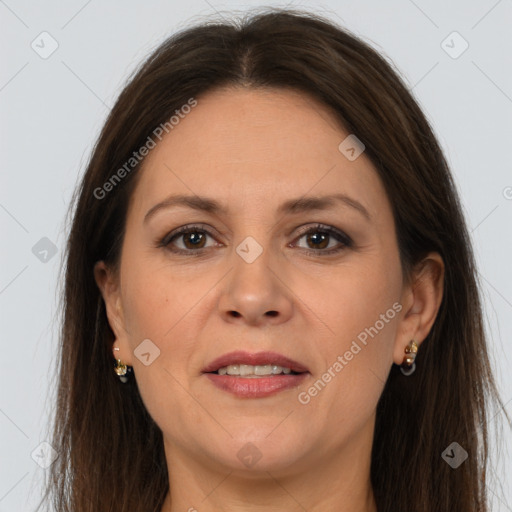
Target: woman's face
x=247 y=277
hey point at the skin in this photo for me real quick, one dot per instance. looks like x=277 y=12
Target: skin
x=252 y=150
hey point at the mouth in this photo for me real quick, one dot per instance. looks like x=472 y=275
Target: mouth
x=245 y=364
x=255 y=375
x=255 y=371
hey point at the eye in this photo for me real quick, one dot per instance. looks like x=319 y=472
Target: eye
x=320 y=236
x=192 y=238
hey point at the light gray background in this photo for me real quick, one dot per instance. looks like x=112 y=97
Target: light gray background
x=52 y=110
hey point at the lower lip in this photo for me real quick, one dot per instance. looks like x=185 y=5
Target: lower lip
x=256 y=387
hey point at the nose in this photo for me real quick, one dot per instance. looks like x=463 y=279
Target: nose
x=256 y=293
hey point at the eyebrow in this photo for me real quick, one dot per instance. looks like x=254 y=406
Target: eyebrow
x=301 y=204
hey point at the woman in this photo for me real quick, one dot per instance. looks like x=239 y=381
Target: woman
x=270 y=294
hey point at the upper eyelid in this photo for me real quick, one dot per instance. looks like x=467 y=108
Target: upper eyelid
x=303 y=230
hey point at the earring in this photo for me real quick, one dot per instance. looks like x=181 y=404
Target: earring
x=408 y=365
x=122 y=370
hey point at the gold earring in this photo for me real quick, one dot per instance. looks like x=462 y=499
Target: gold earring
x=408 y=365
x=121 y=370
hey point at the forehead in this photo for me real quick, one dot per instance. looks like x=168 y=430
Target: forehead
x=252 y=145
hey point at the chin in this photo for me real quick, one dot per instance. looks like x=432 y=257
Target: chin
x=256 y=455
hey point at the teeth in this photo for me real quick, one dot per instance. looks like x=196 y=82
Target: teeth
x=244 y=370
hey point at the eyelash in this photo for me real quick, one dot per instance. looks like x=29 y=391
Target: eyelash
x=318 y=228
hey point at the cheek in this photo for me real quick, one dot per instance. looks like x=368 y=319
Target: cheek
x=354 y=300
x=162 y=305
x=154 y=300
x=361 y=311
x=357 y=358
x=157 y=307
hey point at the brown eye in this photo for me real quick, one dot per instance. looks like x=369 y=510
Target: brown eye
x=319 y=237
x=319 y=240
x=193 y=239
x=189 y=240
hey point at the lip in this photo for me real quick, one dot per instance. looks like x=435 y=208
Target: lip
x=258 y=358
x=255 y=387
x=259 y=387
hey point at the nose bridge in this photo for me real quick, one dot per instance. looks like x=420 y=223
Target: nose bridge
x=252 y=267
x=255 y=290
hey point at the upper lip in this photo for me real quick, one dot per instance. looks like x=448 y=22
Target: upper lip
x=258 y=358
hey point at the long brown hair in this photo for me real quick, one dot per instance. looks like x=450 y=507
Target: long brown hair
x=111 y=455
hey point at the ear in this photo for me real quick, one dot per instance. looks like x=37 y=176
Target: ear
x=108 y=283
x=421 y=300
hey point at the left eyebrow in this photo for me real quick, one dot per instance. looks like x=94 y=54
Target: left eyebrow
x=301 y=204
